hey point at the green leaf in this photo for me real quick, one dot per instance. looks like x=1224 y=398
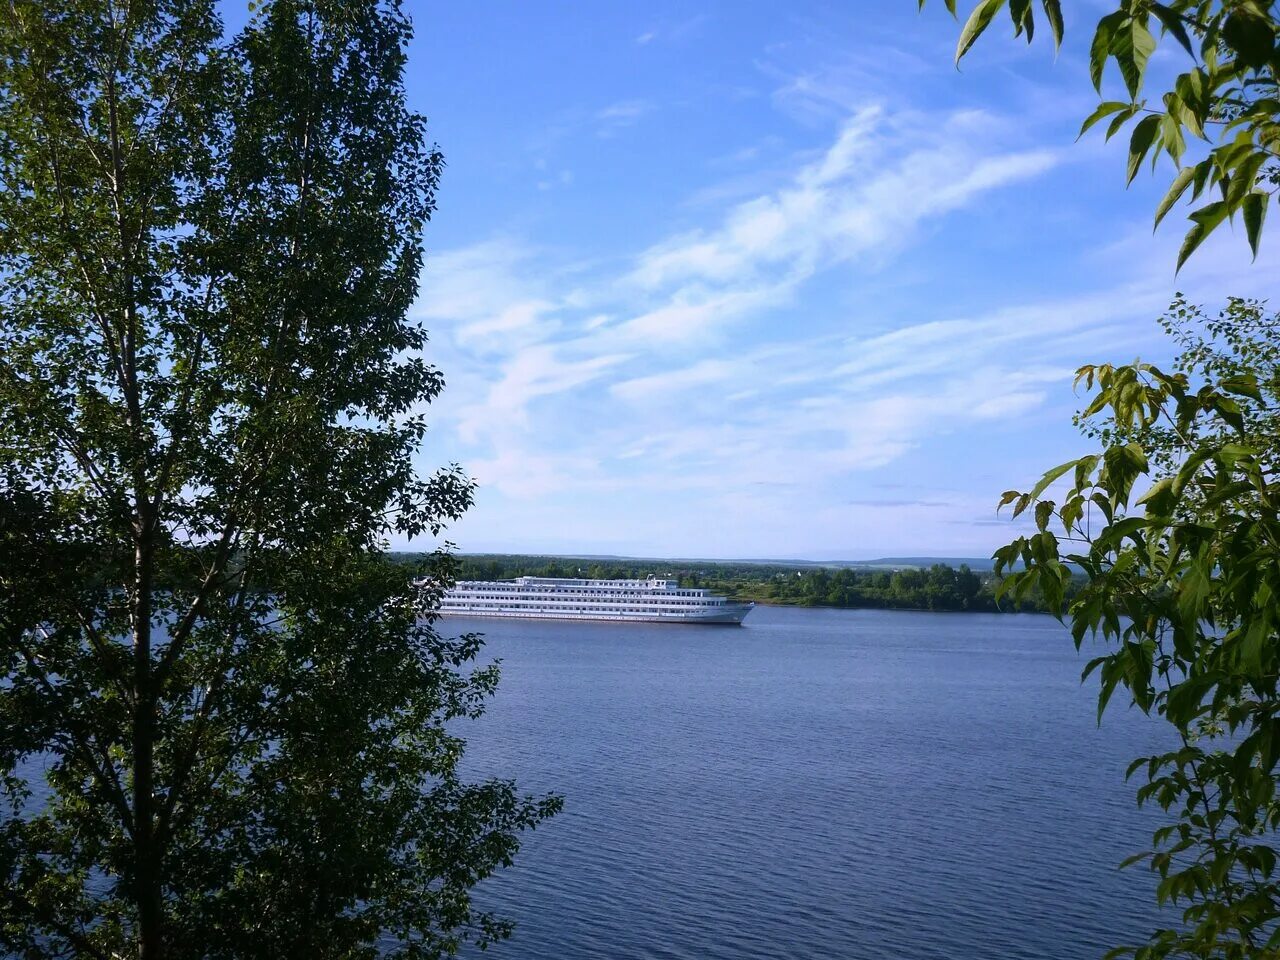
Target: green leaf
x=1130 y=861
x=1132 y=48
x=1172 y=23
x=1233 y=453
x=1050 y=476
x=1071 y=511
x=302 y=393
x=1243 y=385
x=1091 y=666
x=1131 y=528
x=1245 y=174
x=1104 y=110
x=978 y=21
x=1103 y=38
x=1044 y=513
x=1144 y=134
x=1181 y=181
x=1191 y=468
x=1120 y=120
x=1084 y=469
x=1254 y=210
x=1203 y=169
x=1205 y=220
x=1229 y=411
x=1184 y=702
x=1190 y=88
x=1190 y=118
x=1109 y=680
x=1053 y=13
x=1020 y=14
x=1124 y=463
x=1159 y=499
x=1251 y=36
x=1193 y=593
x=1171 y=136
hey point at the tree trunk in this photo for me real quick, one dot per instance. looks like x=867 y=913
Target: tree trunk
x=147 y=868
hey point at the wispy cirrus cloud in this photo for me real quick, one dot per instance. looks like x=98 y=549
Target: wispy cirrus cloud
x=882 y=178
x=536 y=371
x=620 y=115
x=668 y=383
x=674 y=31
x=591 y=348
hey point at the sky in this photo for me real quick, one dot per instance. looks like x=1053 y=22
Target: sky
x=774 y=280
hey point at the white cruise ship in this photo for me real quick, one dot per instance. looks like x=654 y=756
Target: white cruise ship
x=548 y=598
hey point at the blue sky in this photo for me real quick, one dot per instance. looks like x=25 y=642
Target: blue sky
x=772 y=280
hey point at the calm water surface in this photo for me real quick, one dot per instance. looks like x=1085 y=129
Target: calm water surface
x=818 y=783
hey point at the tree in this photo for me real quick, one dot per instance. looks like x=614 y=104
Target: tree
x=968 y=586
x=1227 y=98
x=235 y=712
x=1182 y=584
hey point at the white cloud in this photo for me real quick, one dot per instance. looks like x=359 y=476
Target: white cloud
x=864 y=197
x=534 y=372
x=524 y=473
x=563 y=179
x=677 y=31
x=624 y=110
x=622 y=114
x=694 y=313
x=659 y=385
x=845 y=81
x=473 y=280
x=511 y=319
x=612 y=379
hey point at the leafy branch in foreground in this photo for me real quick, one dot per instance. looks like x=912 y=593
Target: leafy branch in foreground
x=1175 y=523
x=1227 y=97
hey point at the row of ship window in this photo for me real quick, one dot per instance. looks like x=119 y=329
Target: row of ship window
x=608 y=593
x=525 y=604
x=651 y=601
x=602 y=593
x=585 y=609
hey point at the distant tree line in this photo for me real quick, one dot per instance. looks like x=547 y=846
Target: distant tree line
x=939 y=587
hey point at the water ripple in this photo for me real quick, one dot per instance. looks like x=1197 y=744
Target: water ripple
x=816 y=784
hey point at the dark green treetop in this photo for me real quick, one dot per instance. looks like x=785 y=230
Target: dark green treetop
x=224 y=715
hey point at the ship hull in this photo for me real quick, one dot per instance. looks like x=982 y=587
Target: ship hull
x=722 y=617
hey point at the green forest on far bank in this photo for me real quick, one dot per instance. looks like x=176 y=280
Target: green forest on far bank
x=936 y=587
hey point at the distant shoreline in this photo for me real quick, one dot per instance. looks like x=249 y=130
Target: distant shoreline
x=870 y=585
x=792 y=604
x=879 y=563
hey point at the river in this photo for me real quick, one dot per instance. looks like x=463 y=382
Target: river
x=816 y=783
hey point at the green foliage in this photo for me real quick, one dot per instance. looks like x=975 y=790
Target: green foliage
x=227 y=726
x=1175 y=523
x=1227 y=98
